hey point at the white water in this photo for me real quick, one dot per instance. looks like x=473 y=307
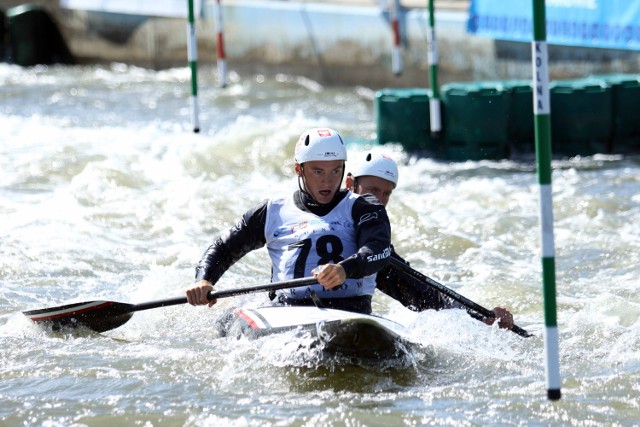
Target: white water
x=106 y=194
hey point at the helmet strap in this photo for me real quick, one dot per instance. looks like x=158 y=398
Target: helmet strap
x=302 y=185
x=355 y=184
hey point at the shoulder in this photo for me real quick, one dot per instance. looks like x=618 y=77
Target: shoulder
x=367 y=207
x=367 y=203
x=273 y=202
x=256 y=212
x=280 y=203
x=360 y=199
x=369 y=199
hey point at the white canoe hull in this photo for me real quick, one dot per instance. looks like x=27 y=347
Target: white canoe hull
x=337 y=333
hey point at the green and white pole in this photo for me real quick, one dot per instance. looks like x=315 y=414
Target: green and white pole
x=435 y=116
x=192 y=54
x=542 y=123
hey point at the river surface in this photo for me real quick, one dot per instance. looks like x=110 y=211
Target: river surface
x=107 y=194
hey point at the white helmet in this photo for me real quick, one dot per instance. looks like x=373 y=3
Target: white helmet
x=322 y=144
x=377 y=164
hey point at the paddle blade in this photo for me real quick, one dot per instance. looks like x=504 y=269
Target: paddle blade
x=99 y=316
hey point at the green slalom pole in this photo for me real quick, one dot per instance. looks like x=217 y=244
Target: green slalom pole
x=432 y=53
x=192 y=54
x=542 y=123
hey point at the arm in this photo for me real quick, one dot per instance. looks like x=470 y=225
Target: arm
x=245 y=236
x=373 y=233
x=418 y=296
x=410 y=292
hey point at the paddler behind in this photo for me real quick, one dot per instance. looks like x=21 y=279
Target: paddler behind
x=377 y=174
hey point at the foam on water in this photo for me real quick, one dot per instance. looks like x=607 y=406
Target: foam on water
x=106 y=194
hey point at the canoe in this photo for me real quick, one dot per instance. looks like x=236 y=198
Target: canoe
x=339 y=334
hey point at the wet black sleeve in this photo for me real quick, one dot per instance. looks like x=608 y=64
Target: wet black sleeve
x=410 y=292
x=373 y=233
x=246 y=236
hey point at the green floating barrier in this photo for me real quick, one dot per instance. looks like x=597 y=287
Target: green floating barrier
x=495 y=120
x=581 y=117
x=402 y=116
x=520 y=128
x=626 y=111
x=34 y=37
x=475 y=125
x=3 y=30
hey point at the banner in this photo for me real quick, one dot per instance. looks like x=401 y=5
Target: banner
x=613 y=24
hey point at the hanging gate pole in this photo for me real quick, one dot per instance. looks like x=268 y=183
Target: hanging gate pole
x=396 y=53
x=542 y=123
x=192 y=54
x=435 y=117
x=222 y=60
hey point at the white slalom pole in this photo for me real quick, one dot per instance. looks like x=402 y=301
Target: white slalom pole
x=396 y=53
x=542 y=123
x=192 y=54
x=222 y=60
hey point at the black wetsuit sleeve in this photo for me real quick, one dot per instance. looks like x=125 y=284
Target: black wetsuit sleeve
x=373 y=236
x=410 y=292
x=246 y=236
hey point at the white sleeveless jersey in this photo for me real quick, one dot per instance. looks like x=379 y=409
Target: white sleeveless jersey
x=299 y=241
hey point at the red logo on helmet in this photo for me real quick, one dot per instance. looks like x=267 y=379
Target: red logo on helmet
x=324 y=132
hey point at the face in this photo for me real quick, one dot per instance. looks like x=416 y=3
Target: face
x=321 y=179
x=381 y=188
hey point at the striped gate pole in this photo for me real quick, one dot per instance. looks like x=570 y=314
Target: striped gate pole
x=432 y=56
x=396 y=53
x=542 y=123
x=192 y=54
x=222 y=60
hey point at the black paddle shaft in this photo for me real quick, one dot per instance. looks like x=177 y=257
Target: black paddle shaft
x=294 y=283
x=450 y=293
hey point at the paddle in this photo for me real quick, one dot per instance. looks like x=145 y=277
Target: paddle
x=101 y=316
x=450 y=293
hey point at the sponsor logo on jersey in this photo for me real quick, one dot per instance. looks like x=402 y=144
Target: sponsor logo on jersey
x=306 y=226
x=368 y=217
x=385 y=254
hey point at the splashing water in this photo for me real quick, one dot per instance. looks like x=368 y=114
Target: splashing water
x=105 y=194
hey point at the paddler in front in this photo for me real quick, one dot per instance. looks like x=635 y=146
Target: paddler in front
x=340 y=237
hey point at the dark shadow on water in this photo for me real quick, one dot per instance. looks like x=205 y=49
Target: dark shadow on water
x=349 y=378
x=340 y=375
